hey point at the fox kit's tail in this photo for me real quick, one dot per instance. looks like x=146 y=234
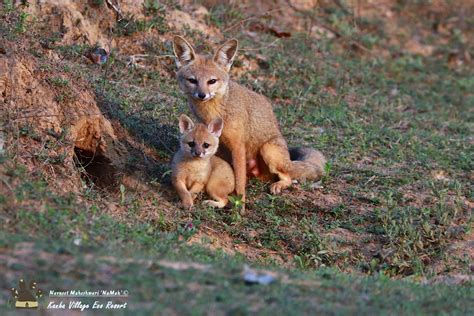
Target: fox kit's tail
x=306 y=164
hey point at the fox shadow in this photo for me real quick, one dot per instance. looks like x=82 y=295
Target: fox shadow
x=162 y=137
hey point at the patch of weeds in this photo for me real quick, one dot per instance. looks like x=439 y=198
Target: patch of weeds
x=72 y=52
x=63 y=89
x=153 y=7
x=22 y=23
x=8 y=5
x=58 y=81
x=13 y=21
x=28 y=130
x=222 y=15
x=412 y=236
x=327 y=173
x=97 y=3
x=155 y=19
x=187 y=230
x=313 y=250
x=126 y=26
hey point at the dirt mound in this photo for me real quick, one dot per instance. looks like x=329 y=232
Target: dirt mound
x=83 y=22
x=76 y=22
x=50 y=112
x=55 y=117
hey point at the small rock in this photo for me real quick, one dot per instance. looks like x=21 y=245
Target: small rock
x=320 y=32
x=316 y=185
x=98 y=56
x=201 y=12
x=77 y=241
x=394 y=92
x=253 y=277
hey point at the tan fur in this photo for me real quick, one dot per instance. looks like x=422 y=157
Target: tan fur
x=192 y=173
x=251 y=132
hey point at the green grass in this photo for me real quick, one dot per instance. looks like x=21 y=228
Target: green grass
x=156 y=288
x=143 y=260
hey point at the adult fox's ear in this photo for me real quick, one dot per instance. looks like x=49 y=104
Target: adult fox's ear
x=185 y=124
x=225 y=55
x=216 y=126
x=183 y=51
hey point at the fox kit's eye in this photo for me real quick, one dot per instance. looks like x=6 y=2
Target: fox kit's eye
x=206 y=145
x=192 y=80
x=191 y=144
x=212 y=81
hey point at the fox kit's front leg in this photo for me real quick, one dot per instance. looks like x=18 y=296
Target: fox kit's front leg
x=184 y=194
x=240 y=167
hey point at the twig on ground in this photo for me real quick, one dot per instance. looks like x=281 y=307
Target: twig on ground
x=272 y=44
x=132 y=61
x=116 y=8
x=49 y=115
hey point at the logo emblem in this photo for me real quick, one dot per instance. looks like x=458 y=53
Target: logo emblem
x=26 y=297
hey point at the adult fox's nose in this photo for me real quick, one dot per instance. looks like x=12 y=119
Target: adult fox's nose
x=201 y=95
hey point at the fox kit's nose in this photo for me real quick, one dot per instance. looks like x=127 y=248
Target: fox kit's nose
x=197 y=153
x=201 y=95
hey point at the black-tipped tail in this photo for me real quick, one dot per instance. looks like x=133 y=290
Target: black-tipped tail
x=306 y=164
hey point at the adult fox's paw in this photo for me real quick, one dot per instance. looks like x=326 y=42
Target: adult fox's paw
x=276 y=188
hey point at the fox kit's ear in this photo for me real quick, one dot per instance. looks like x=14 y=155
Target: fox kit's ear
x=215 y=127
x=185 y=123
x=225 y=55
x=183 y=51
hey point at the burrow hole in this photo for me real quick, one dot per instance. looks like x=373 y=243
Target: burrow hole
x=96 y=168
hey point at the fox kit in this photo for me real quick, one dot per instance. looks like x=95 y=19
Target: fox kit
x=251 y=130
x=196 y=167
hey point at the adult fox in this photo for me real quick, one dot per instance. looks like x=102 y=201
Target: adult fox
x=251 y=132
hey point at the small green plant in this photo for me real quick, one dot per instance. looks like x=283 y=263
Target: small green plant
x=22 y=22
x=97 y=3
x=237 y=206
x=327 y=173
x=187 y=230
x=28 y=130
x=153 y=7
x=58 y=81
x=8 y=5
x=236 y=202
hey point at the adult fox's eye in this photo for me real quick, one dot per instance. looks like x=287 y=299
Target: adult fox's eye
x=205 y=145
x=191 y=144
x=192 y=80
x=212 y=81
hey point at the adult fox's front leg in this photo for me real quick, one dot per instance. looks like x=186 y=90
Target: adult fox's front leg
x=240 y=167
x=276 y=157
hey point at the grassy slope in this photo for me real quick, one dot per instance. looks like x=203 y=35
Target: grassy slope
x=388 y=124
x=131 y=258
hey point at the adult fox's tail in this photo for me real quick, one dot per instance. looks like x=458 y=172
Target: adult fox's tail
x=306 y=164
